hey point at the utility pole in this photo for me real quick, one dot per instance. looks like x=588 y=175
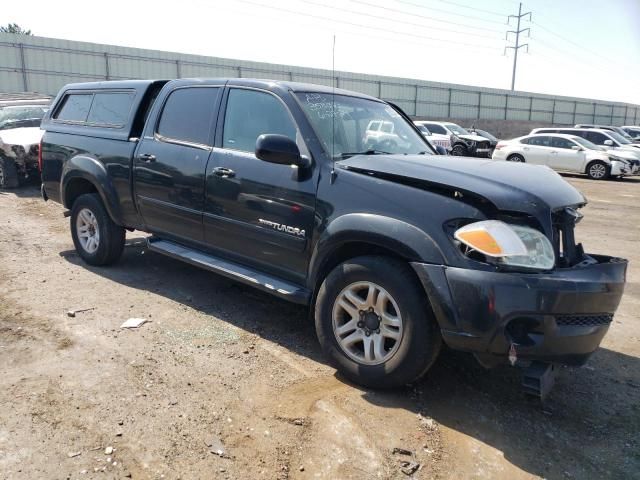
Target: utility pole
x=518 y=46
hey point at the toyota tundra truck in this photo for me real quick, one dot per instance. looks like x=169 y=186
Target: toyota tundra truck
x=395 y=250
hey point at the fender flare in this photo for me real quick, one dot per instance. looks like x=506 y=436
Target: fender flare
x=92 y=170
x=401 y=237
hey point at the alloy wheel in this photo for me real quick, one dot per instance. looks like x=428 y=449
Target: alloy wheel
x=367 y=323
x=87 y=230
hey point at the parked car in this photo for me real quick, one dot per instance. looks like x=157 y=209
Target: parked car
x=607 y=139
x=567 y=153
x=392 y=252
x=463 y=143
x=619 y=130
x=20 y=134
x=633 y=132
x=493 y=141
x=435 y=139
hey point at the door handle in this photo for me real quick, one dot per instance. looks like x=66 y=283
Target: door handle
x=223 y=172
x=147 y=157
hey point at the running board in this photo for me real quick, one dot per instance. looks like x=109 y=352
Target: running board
x=235 y=271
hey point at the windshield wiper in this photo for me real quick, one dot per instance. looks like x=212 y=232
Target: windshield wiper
x=366 y=152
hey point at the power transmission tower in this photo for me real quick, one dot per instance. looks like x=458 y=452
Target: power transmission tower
x=517 y=46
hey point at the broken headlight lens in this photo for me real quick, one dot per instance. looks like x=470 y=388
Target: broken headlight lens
x=508 y=244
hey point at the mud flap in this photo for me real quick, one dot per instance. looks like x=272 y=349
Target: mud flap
x=538 y=379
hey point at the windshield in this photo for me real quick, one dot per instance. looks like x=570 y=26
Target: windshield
x=617 y=137
x=424 y=130
x=585 y=143
x=354 y=121
x=15 y=116
x=458 y=130
x=623 y=134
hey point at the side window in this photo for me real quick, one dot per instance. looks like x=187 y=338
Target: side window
x=75 y=107
x=434 y=128
x=596 y=137
x=526 y=141
x=543 y=141
x=250 y=114
x=187 y=114
x=111 y=108
x=559 y=142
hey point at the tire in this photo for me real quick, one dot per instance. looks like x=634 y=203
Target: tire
x=515 y=157
x=407 y=347
x=8 y=173
x=90 y=220
x=598 y=170
x=459 y=150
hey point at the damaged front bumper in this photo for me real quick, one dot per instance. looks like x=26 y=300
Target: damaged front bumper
x=557 y=317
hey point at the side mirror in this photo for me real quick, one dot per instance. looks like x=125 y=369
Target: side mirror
x=608 y=143
x=279 y=149
x=577 y=148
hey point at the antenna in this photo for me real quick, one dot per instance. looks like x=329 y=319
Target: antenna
x=333 y=110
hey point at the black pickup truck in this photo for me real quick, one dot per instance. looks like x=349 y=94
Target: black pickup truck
x=393 y=248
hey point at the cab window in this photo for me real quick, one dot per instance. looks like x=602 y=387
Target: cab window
x=188 y=114
x=559 y=142
x=543 y=141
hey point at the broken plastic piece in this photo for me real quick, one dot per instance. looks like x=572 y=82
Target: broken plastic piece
x=134 y=323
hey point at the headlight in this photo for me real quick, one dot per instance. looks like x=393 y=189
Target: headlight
x=509 y=245
x=613 y=158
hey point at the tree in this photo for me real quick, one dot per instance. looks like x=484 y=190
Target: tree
x=15 y=28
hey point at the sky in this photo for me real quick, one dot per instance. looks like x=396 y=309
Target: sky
x=583 y=48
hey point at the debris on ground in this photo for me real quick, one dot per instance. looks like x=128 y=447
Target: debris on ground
x=72 y=313
x=402 y=451
x=215 y=446
x=108 y=450
x=134 y=323
x=73 y=454
x=409 y=468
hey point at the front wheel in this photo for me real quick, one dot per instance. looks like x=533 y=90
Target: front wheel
x=375 y=324
x=598 y=170
x=98 y=240
x=459 y=150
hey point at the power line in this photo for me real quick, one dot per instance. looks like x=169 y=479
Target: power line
x=378 y=17
x=490 y=12
x=395 y=10
x=448 y=12
x=396 y=32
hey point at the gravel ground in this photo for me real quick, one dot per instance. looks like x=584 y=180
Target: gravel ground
x=227 y=382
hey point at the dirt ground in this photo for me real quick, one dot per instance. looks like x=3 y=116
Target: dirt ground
x=227 y=382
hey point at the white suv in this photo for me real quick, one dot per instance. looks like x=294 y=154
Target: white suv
x=567 y=153
x=463 y=143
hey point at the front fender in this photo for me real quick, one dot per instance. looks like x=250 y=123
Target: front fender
x=392 y=234
x=92 y=170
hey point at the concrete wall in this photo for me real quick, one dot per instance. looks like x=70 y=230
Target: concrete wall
x=29 y=63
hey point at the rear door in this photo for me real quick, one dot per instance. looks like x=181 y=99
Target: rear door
x=170 y=163
x=260 y=214
x=563 y=157
x=537 y=150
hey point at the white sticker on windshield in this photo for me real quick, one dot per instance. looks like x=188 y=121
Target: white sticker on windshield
x=321 y=105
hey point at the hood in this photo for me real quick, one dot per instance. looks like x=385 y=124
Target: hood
x=531 y=189
x=26 y=137
x=629 y=154
x=472 y=137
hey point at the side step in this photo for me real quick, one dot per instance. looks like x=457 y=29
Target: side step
x=235 y=271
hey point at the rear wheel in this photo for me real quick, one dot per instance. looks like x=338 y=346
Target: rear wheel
x=8 y=173
x=98 y=240
x=374 y=322
x=515 y=158
x=598 y=170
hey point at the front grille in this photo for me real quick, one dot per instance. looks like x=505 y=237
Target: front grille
x=588 y=320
